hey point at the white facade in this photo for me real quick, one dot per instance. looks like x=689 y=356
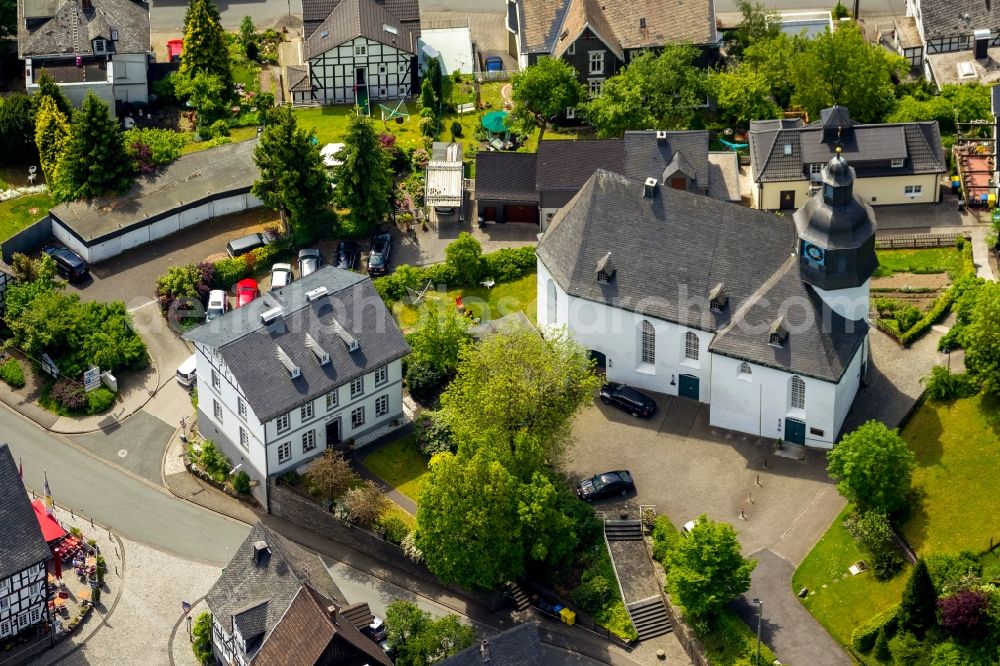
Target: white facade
x=384 y=70
x=23 y=600
x=453 y=46
x=126 y=80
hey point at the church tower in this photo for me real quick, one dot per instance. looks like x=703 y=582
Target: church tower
x=836 y=242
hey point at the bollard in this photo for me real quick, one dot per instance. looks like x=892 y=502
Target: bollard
x=757 y=482
x=765 y=462
x=91 y=523
x=743 y=516
x=750 y=497
x=72 y=514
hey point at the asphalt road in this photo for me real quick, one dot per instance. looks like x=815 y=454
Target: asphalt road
x=111 y=497
x=168 y=15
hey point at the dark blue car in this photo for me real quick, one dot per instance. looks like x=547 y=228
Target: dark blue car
x=494 y=64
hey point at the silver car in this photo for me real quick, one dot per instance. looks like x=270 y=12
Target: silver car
x=310 y=260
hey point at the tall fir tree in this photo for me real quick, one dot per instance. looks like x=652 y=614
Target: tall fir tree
x=205 y=47
x=918 y=609
x=364 y=179
x=47 y=87
x=17 y=130
x=95 y=161
x=292 y=177
x=51 y=136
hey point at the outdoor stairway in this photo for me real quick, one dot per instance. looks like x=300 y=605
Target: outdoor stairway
x=623 y=530
x=650 y=618
x=521 y=599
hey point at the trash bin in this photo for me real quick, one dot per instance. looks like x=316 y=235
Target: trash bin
x=568 y=616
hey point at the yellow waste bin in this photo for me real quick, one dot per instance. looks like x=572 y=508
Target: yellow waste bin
x=568 y=616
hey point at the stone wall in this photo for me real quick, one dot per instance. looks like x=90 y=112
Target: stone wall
x=288 y=504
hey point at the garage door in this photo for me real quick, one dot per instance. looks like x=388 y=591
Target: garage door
x=490 y=213
x=521 y=214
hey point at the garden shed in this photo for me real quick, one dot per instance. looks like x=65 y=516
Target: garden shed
x=445 y=172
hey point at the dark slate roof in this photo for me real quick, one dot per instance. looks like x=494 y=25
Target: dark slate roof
x=244 y=588
x=566 y=165
x=22 y=545
x=946 y=19
x=518 y=646
x=820 y=342
x=647 y=157
x=249 y=348
x=315 y=12
x=867 y=147
x=670 y=250
x=252 y=620
x=307 y=635
x=70 y=30
x=359 y=18
x=506 y=176
x=298 y=78
x=359 y=614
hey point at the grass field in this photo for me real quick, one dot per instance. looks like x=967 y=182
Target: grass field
x=330 y=123
x=16 y=214
x=484 y=303
x=408 y=518
x=957 y=445
x=927 y=260
x=401 y=465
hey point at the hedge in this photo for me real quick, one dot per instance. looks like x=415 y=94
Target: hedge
x=864 y=636
x=231 y=270
x=12 y=373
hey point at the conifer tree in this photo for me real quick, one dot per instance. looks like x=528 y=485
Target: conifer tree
x=882 y=652
x=47 y=87
x=51 y=136
x=918 y=609
x=205 y=47
x=94 y=161
x=364 y=180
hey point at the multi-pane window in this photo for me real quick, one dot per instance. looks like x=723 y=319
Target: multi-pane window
x=358 y=417
x=217 y=410
x=283 y=423
x=896 y=163
x=745 y=370
x=360 y=50
x=691 y=346
x=913 y=190
x=357 y=387
x=648 y=343
x=331 y=399
x=36 y=614
x=306 y=411
x=216 y=380
x=284 y=451
x=382 y=375
x=244 y=439
x=23 y=620
x=241 y=408
x=382 y=405
x=308 y=441
x=798 y=393
x=815 y=171
x=594 y=87
x=597 y=62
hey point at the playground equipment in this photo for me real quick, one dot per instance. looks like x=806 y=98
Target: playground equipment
x=416 y=296
x=733 y=146
x=395 y=113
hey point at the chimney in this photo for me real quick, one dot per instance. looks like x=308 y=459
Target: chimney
x=661 y=136
x=649 y=189
x=484 y=650
x=332 y=612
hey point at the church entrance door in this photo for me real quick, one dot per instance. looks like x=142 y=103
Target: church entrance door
x=795 y=431
x=688 y=387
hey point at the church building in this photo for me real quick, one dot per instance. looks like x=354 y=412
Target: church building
x=762 y=317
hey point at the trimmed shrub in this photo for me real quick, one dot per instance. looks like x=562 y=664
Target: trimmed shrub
x=229 y=271
x=241 y=482
x=941 y=384
x=509 y=264
x=592 y=593
x=395 y=529
x=100 y=400
x=665 y=535
x=864 y=636
x=886 y=564
x=12 y=373
x=68 y=394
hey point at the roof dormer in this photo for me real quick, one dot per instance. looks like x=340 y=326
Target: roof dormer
x=778 y=334
x=605 y=269
x=717 y=298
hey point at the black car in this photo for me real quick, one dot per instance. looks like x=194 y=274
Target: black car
x=627 y=399
x=69 y=264
x=347 y=254
x=378 y=260
x=607 y=484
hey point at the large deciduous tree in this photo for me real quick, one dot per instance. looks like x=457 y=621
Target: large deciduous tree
x=543 y=91
x=873 y=467
x=742 y=94
x=418 y=639
x=364 y=179
x=759 y=24
x=292 y=177
x=707 y=569
x=982 y=337
x=205 y=47
x=662 y=91
x=332 y=474
x=51 y=136
x=94 y=161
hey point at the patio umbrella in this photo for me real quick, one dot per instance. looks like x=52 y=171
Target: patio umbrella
x=495 y=121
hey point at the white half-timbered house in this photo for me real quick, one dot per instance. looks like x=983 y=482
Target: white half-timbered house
x=359 y=54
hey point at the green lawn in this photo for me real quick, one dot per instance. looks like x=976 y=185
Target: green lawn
x=928 y=260
x=408 y=519
x=330 y=123
x=957 y=445
x=484 y=303
x=15 y=214
x=401 y=465
x=243 y=74
x=838 y=600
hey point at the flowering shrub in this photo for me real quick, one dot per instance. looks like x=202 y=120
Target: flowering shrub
x=69 y=394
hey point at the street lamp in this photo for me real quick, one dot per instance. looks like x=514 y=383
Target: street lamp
x=760 y=614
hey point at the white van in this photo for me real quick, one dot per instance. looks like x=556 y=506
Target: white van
x=187 y=372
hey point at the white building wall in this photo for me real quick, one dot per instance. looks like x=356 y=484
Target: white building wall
x=128 y=72
x=848 y=386
x=77 y=92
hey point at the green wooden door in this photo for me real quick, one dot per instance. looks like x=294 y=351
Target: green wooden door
x=688 y=387
x=795 y=431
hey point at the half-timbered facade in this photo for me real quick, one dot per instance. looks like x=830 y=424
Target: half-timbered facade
x=360 y=53
x=23 y=556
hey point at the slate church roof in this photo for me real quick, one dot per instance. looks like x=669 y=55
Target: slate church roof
x=22 y=545
x=359 y=18
x=64 y=28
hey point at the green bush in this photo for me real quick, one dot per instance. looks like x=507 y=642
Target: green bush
x=12 y=373
x=164 y=145
x=164 y=88
x=100 y=400
x=213 y=461
x=229 y=271
x=941 y=384
x=433 y=434
x=509 y=264
x=456 y=129
x=219 y=128
x=592 y=593
x=951 y=572
x=728 y=641
x=864 y=636
x=886 y=564
x=664 y=537
x=395 y=529
x=241 y=482
x=202 y=639
x=907 y=317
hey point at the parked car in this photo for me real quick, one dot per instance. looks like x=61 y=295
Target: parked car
x=347 y=254
x=604 y=485
x=246 y=291
x=69 y=264
x=378 y=260
x=377 y=630
x=281 y=276
x=628 y=399
x=186 y=373
x=310 y=260
x=249 y=243
x=218 y=304
x=494 y=64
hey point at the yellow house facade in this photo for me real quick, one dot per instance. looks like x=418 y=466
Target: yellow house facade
x=874 y=191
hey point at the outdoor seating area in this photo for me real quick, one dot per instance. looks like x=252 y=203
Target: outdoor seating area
x=975 y=173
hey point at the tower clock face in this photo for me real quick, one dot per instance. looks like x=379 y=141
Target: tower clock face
x=814 y=253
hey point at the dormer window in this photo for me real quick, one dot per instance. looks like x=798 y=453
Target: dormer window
x=114 y=35
x=605 y=270
x=787 y=149
x=100 y=46
x=717 y=298
x=897 y=163
x=778 y=335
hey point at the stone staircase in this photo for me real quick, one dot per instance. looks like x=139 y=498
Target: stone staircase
x=650 y=618
x=515 y=592
x=623 y=530
x=628 y=555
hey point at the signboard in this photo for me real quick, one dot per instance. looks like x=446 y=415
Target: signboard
x=91 y=378
x=49 y=366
